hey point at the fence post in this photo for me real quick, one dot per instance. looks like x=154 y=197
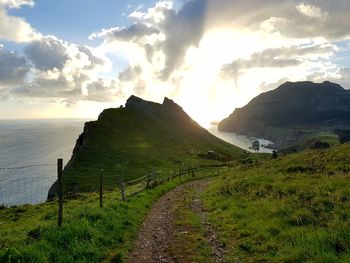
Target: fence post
x=60 y=190
x=148 y=186
x=101 y=188
x=122 y=187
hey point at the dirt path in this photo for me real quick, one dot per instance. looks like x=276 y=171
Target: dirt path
x=157 y=239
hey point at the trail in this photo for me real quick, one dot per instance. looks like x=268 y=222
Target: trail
x=157 y=239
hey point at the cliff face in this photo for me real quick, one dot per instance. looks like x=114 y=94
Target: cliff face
x=300 y=105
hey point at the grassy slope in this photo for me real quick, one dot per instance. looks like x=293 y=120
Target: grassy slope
x=292 y=209
x=309 y=141
x=130 y=140
x=89 y=234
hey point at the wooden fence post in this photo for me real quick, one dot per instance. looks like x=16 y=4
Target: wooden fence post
x=101 y=188
x=60 y=190
x=148 y=186
x=122 y=187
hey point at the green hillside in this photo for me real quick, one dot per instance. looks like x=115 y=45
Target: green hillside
x=292 y=209
x=295 y=208
x=143 y=136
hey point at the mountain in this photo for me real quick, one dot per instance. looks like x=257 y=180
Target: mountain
x=143 y=136
x=292 y=111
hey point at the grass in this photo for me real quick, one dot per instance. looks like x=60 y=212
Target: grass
x=292 y=209
x=314 y=140
x=29 y=233
x=190 y=244
x=89 y=234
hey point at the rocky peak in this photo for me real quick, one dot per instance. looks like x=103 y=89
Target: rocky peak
x=141 y=105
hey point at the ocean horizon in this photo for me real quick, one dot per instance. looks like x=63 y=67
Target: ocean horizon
x=29 y=150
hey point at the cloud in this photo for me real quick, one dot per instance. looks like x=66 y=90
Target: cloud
x=16 y=29
x=16 y=3
x=94 y=60
x=277 y=58
x=102 y=91
x=132 y=33
x=344 y=78
x=182 y=29
x=59 y=87
x=53 y=69
x=13 y=68
x=48 y=53
x=312 y=12
x=291 y=18
x=130 y=74
x=177 y=31
x=180 y=51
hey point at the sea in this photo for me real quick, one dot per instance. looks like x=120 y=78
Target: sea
x=242 y=141
x=29 y=150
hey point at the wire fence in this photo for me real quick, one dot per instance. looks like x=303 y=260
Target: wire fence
x=26 y=184
x=20 y=185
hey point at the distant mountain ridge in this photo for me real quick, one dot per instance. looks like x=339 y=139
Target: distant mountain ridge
x=295 y=106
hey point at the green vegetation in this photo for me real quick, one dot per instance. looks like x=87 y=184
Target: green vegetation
x=313 y=140
x=141 y=137
x=191 y=245
x=29 y=233
x=290 y=209
x=294 y=208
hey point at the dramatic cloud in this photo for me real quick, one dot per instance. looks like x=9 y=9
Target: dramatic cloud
x=13 y=68
x=55 y=70
x=59 y=88
x=182 y=29
x=277 y=58
x=47 y=53
x=130 y=74
x=291 y=18
x=101 y=91
x=177 y=29
x=222 y=52
x=15 y=29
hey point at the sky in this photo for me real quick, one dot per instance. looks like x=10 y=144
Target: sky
x=72 y=59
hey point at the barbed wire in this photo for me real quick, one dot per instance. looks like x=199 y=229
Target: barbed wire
x=27 y=166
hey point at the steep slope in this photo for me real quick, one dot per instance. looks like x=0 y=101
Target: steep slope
x=285 y=113
x=143 y=136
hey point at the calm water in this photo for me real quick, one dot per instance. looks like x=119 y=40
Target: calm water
x=240 y=140
x=28 y=142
